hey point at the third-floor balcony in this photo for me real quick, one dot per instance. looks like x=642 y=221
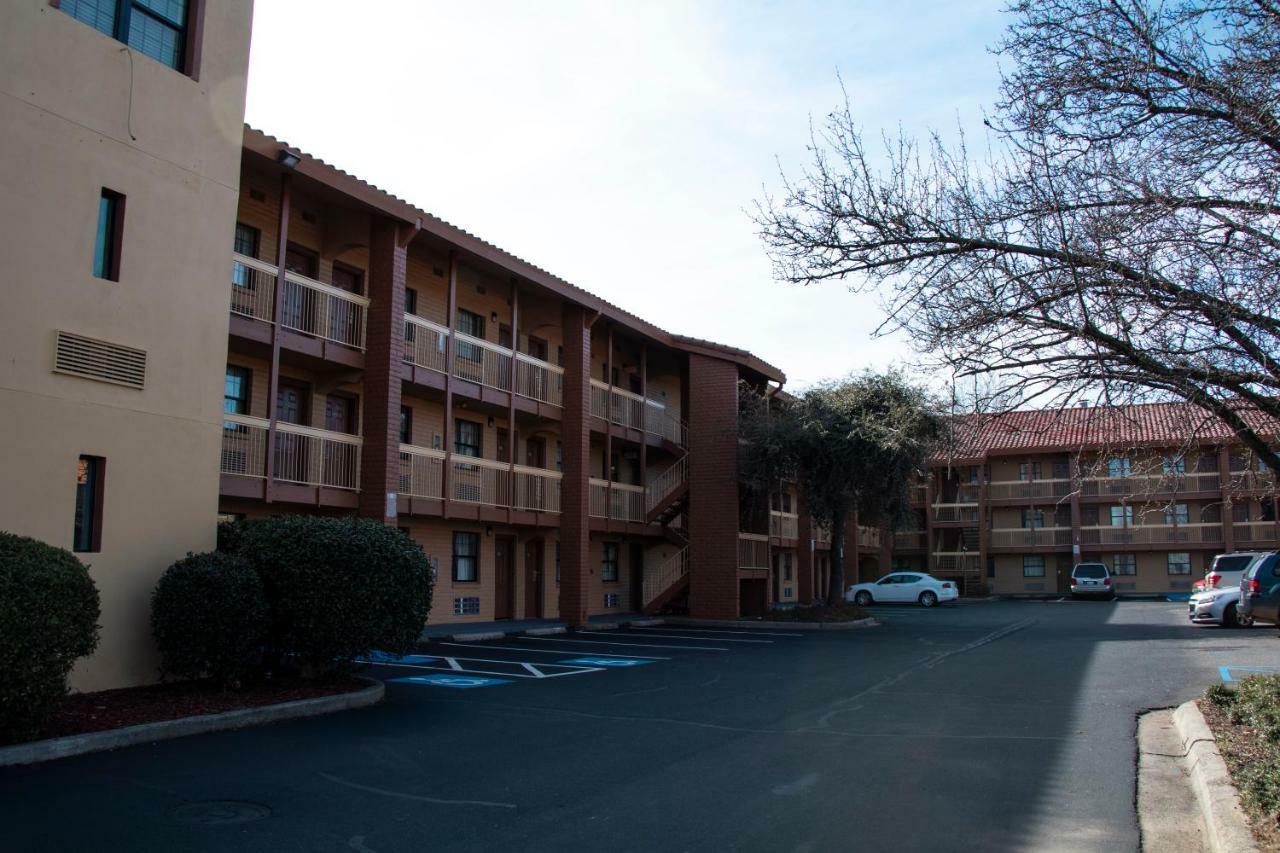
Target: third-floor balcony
x=301 y=455
x=784 y=525
x=628 y=409
x=307 y=306
x=617 y=501
x=998 y=490
x=955 y=513
x=1149 y=484
x=909 y=540
x=1029 y=537
x=1209 y=533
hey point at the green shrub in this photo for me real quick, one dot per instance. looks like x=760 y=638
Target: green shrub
x=48 y=618
x=337 y=588
x=1255 y=704
x=210 y=619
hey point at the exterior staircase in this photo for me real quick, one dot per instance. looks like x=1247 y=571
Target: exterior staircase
x=666 y=496
x=671 y=580
x=666 y=499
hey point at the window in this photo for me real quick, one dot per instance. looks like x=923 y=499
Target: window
x=410 y=301
x=1029 y=471
x=468 y=438
x=246 y=243
x=467 y=606
x=1177 y=514
x=157 y=28
x=1119 y=467
x=610 y=599
x=1268 y=510
x=609 y=567
x=1032 y=519
x=1173 y=465
x=473 y=325
x=1180 y=563
x=235 y=391
x=1033 y=566
x=1122 y=516
x=466 y=557
x=786 y=566
x=1124 y=564
x=88 y=518
x=110 y=234
x=406 y=425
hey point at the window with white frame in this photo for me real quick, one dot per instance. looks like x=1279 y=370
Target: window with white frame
x=1122 y=516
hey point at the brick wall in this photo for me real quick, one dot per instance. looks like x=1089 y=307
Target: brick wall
x=384 y=347
x=575 y=436
x=713 y=488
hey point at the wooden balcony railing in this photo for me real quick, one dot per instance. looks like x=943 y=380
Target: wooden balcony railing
x=1149 y=484
x=317 y=457
x=1019 y=537
x=307 y=306
x=784 y=525
x=1014 y=489
x=623 y=502
x=909 y=540
x=244 y=445
x=1248 y=532
x=753 y=551
x=421 y=471
x=956 y=512
x=1152 y=534
x=425 y=343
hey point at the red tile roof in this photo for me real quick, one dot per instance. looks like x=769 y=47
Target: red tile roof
x=1044 y=430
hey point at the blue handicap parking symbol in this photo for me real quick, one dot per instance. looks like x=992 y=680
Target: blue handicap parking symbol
x=459 y=681
x=383 y=657
x=1235 y=673
x=606 y=661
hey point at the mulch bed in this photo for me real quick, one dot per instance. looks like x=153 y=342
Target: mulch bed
x=112 y=709
x=843 y=612
x=1241 y=746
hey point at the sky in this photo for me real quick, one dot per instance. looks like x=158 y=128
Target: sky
x=622 y=145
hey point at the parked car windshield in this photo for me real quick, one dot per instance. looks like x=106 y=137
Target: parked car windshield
x=1231 y=564
x=1091 y=570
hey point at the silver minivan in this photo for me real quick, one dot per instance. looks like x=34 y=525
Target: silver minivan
x=1091 y=579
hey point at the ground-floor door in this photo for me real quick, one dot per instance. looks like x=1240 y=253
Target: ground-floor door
x=533 y=551
x=635 y=564
x=504 y=587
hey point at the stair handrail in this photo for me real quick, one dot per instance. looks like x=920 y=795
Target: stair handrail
x=666 y=482
x=670 y=572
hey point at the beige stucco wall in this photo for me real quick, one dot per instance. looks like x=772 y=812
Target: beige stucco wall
x=65 y=108
x=1152 y=573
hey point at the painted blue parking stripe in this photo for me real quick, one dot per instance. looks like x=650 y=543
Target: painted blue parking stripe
x=383 y=657
x=1227 y=677
x=461 y=682
x=617 y=662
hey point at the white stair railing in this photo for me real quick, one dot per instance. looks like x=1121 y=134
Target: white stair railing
x=666 y=482
x=672 y=570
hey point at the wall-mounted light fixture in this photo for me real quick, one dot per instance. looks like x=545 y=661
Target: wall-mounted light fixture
x=491 y=420
x=493 y=316
x=288 y=158
x=488 y=530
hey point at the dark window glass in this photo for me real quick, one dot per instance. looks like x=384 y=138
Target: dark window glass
x=406 y=425
x=468 y=438
x=157 y=28
x=609 y=567
x=1033 y=566
x=1179 y=564
x=466 y=556
x=88 y=519
x=1096 y=571
x=106 y=249
x=1125 y=564
x=410 y=301
x=473 y=325
x=235 y=392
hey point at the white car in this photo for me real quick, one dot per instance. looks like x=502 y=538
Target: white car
x=1218 y=607
x=918 y=587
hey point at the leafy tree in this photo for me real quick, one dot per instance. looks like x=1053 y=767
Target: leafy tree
x=852 y=444
x=1119 y=243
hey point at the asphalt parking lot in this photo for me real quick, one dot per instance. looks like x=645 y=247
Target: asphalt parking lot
x=992 y=726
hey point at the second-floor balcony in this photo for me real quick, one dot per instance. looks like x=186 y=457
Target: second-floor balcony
x=784 y=525
x=1150 y=484
x=617 y=501
x=1247 y=533
x=753 y=551
x=1209 y=533
x=628 y=409
x=1016 y=489
x=868 y=537
x=301 y=455
x=909 y=540
x=307 y=306
x=1030 y=537
x=955 y=513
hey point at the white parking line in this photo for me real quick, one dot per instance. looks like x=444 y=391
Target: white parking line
x=552 y=651
x=678 y=637
x=632 y=645
x=532 y=670
x=647 y=629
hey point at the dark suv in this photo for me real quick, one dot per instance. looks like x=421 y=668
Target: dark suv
x=1260 y=590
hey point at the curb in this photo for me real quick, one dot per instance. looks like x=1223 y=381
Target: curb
x=65 y=747
x=868 y=622
x=477 y=636
x=1228 y=828
x=542 y=632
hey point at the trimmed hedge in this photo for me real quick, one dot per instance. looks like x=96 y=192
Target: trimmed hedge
x=337 y=588
x=48 y=617
x=210 y=619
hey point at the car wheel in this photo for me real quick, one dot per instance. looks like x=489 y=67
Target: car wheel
x=862 y=599
x=928 y=599
x=1230 y=619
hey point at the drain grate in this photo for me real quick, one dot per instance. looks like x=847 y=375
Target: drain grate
x=220 y=813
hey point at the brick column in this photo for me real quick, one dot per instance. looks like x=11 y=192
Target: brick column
x=384 y=351
x=1077 y=484
x=805 y=548
x=1224 y=485
x=713 y=488
x=575 y=446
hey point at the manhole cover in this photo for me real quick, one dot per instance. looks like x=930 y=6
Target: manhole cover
x=220 y=812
